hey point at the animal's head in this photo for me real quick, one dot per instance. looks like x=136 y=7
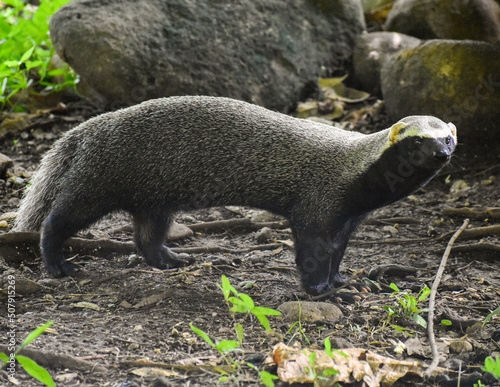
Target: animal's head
x=425 y=141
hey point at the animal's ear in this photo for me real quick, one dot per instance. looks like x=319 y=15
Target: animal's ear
x=395 y=130
x=453 y=129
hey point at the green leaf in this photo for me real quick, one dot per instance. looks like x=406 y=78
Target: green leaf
x=394 y=287
x=424 y=294
x=420 y=320
x=4 y=357
x=11 y=63
x=264 y=322
x=329 y=351
x=267 y=379
x=312 y=358
x=33 y=64
x=446 y=322
x=202 y=334
x=328 y=347
x=400 y=329
x=56 y=72
x=225 y=346
x=239 y=305
x=239 y=332
x=227 y=288
x=27 y=55
x=36 y=371
x=266 y=311
x=496 y=311
x=247 y=300
x=492 y=366
x=330 y=371
x=34 y=334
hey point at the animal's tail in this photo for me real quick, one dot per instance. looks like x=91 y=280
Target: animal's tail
x=41 y=193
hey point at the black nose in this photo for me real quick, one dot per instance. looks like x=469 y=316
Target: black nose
x=441 y=155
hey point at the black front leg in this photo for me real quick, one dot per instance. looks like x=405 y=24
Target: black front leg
x=319 y=256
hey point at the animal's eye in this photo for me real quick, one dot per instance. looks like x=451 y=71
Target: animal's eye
x=448 y=140
x=418 y=141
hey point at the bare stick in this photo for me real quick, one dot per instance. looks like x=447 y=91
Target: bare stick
x=472 y=213
x=476 y=232
x=432 y=298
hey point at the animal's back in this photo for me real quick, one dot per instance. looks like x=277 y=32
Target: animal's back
x=198 y=151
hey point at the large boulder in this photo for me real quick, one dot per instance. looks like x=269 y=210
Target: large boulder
x=455 y=80
x=372 y=51
x=446 y=19
x=262 y=51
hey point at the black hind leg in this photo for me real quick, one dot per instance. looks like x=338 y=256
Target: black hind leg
x=149 y=236
x=61 y=224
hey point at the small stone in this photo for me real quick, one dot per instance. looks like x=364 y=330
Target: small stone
x=133 y=260
x=263 y=235
x=8 y=216
x=178 y=231
x=5 y=163
x=310 y=311
x=458 y=346
x=390 y=229
x=26 y=286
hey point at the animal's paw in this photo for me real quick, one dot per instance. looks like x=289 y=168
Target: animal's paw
x=60 y=268
x=167 y=259
x=348 y=291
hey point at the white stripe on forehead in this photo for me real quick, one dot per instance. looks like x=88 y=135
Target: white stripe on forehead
x=426 y=126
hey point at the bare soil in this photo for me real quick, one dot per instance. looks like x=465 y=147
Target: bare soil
x=117 y=312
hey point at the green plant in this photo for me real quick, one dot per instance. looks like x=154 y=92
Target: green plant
x=492 y=366
x=496 y=311
x=29 y=365
x=265 y=377
x=312 y=369
x=299 y=328
x=238 y=303
x=408 y=305
x=329 y=350
x=26 y=51
x=242 y=303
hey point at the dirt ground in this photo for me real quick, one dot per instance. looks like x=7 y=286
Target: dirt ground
x=118 y=318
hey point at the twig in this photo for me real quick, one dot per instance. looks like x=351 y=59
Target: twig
x=54 y=360
x=476 y=232
x=472 y=213
x=432 y=298
x=480 y=246
x=397 y=219
x=17 y=246
x=389 y=240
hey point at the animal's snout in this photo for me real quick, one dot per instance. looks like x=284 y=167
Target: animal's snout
x=442 y=155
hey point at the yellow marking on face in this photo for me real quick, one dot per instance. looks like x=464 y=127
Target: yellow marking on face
x=395 y=131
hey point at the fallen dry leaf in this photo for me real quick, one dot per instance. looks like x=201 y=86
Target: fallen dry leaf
x=294 y=366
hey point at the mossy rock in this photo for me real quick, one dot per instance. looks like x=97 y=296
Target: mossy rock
x=446 y=19
x=457 y=81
